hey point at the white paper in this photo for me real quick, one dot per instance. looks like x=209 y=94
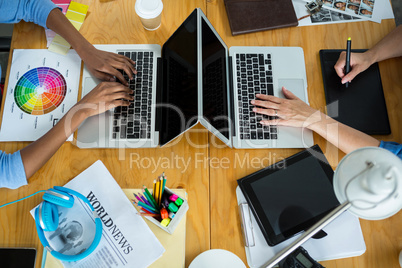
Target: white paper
x=324 y=16
x=60 y=83
x=126 y=240
x=329 y=15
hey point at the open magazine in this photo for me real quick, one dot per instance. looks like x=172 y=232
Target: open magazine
x=126 y=240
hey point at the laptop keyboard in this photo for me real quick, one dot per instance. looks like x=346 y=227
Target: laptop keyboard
x=134 y=121
x=254 y=76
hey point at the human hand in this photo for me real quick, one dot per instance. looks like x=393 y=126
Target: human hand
x=103 y=97
x=358 y=63
x=291 y=111
x=104 y=65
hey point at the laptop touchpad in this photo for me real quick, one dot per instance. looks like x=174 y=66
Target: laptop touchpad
x=89 y=84
x=296 y=86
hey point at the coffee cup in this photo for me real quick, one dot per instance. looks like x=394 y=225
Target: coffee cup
x=150 y=13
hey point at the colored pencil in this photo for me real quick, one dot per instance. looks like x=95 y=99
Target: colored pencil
x=164 y=183
x=149 y=208
x=160 y=190
x=148 y=214
x=157 y=191
x=140 y=208
x=136 y=196
x=154 y=192
x=144 y=200
x=149 y=197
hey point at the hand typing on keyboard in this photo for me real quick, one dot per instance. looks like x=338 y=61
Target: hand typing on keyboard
x=104 y=65
x=105 y=96
x=291 y=111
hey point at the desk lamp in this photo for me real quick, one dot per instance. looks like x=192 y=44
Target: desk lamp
x=368 y=183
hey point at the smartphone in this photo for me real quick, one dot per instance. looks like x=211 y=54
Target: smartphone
x=17 y=257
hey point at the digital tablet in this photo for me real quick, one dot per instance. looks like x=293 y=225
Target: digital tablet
x=362 y=104
x=291 y=195
x=17 y=257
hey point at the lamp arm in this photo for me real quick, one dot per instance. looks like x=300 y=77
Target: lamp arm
x=308 y=234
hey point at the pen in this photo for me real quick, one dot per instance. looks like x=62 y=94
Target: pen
x=348 y=45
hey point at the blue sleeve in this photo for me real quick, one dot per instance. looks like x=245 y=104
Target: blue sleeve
x=393 y=147
x=37 y=11
x=12 y=172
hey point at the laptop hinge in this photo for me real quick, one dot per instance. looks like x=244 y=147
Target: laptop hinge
x=231 y=94
x=159 y=88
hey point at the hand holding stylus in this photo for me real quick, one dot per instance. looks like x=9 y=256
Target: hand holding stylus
x=359 y=62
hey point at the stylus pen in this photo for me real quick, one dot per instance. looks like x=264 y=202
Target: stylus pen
x=348 y=45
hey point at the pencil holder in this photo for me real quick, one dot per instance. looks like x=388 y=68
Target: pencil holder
x=175 y=216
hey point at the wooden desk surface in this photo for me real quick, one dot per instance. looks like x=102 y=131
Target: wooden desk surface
x=212 y=220
x=383 y=238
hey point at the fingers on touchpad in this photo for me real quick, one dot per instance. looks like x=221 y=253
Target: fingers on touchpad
x=296 y=86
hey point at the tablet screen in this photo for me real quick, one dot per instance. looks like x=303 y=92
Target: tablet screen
x=291 y=197
x=18 y=257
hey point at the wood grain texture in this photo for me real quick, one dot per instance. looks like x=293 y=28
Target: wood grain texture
x=210 y=178
x=112 y=22
x=383 y=238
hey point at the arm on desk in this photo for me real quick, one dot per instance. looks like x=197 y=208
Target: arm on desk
x=101 y=64
x=296 y=113
x=105 y=96
x=388 y=47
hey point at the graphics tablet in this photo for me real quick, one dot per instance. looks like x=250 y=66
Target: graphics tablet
x=291 y=195
x=361 y=105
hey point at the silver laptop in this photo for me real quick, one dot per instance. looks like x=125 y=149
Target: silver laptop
x=194 y=79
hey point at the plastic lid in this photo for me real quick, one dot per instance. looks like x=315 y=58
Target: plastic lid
x=148 y=9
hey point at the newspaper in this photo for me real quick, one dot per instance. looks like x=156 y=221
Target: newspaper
x=126 y=240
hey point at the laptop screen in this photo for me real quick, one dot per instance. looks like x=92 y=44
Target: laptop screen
x=215 y=100
x=179 y=109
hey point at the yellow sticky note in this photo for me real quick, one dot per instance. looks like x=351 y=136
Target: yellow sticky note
x=74 y=16
x=76 y=25
x=59 y=45
x=77 y=7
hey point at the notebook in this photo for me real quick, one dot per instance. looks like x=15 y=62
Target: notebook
x=246 y=16
x=198 y=80
x=361 y=105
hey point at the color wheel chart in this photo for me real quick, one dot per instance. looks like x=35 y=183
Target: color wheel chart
x=40 y=91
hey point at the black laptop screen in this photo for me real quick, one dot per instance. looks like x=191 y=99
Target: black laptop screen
x=215 y=95
x=179 y=97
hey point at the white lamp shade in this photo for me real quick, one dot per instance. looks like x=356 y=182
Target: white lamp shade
x=375 y=193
